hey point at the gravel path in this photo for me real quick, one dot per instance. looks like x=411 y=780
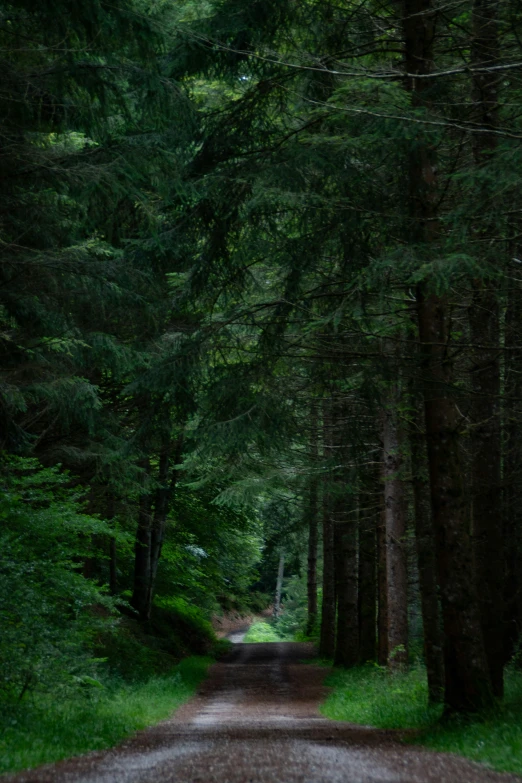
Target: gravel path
x=255 y=720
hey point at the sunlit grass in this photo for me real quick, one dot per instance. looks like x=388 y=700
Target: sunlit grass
x=262 y=632
x=46 y=729
x=371 y=696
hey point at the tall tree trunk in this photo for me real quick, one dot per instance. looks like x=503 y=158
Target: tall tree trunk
x=159 y=520
x=512 y=506
x=467 y=678
x=485 y=336
x=396 y=560
x=279 y=585
x=328 y=604
x=113 y=571
x=347 y=634
x=113 y=574
x=312 y=512
x=163 y=501
x=327 y=634
x=426 y=560
x=142 y=549
x=382 y=585
x=345 y=542
x=367 y=579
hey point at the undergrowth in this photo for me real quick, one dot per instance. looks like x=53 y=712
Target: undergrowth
x=45 y=728
x=372 y=696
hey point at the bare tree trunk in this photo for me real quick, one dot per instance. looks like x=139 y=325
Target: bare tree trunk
x=426 y=560
x=113 y=572
x=467 y=678
x=312 y=512
x=382 y=587
x=347 y=637
x=396 y=560
x=327 y=636
x=113 y=575
x=142 y=550
x=279 y=585
x=328 y=606
x=485 y=335
x=367 y=580
x=512 y=512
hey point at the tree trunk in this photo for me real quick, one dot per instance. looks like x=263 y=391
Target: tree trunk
x=347 y=637
x=312 y=512
x=426 y=560
x=512 y=506
x=328 y=606
x=396 y=561
x=113 y=575
x=467 y=679
x=159 y=521
x=485 y=376
x=113 y=572
x=279 y=585
x=142 y=550
x=382 y=587
x=327 y=635
x=367 y=581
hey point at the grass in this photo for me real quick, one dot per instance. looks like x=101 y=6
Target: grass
x=371 y=696
x=46 y=729
x=262 y=632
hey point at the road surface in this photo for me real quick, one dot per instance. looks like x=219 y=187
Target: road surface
x=255 y=720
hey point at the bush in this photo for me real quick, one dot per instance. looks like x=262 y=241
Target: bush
x=183 y=627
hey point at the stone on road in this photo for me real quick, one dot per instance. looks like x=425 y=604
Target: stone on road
x=255 y=720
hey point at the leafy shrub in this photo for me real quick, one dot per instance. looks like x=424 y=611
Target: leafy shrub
x=183 y=627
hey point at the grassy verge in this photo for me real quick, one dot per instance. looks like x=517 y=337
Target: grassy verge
x=49 y=728
x=372 y=696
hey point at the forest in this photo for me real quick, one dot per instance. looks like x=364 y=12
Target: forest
x=260 y=324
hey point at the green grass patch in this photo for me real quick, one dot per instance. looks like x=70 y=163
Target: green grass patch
x=262 y=632
x=372 y=696
x=49 y=728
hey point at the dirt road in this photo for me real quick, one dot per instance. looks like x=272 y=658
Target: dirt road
x=255 y=720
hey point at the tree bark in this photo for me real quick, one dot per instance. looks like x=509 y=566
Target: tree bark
x=113 y=574
x=327 y=634
x=367 y=580
x=512 y=506
x=382 y=587
x=467 y=678
x=347 y=636
x=312 y=512
x=485 y=335
x=328 y=604
x=279 y=585
x=396 y=561
x=142 y=549
x=426 y=560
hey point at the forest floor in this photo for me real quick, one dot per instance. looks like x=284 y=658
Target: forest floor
x=255 y=720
